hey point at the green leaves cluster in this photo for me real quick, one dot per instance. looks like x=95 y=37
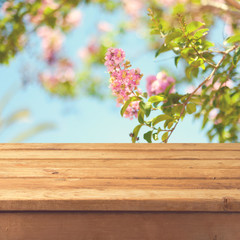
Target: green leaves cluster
x=220 y=92
x=171 y=107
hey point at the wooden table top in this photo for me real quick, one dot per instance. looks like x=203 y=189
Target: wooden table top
x=120 y=177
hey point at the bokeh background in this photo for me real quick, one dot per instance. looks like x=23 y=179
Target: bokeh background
x=86 y=118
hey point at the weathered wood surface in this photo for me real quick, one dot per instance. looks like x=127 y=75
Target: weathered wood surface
x=119 y=226
x=120 y=177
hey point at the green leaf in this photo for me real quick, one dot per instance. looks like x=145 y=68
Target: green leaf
x=135 y=132
x=167 y=90
x=176 y=60
x=196 y=99
x=145 y=95
x=191 y=108
x=146 y=108
x=156 y=98
x=141 y=116
x=233 y=39
x=126 y=104
x=207 y=45
x=165 y=136
x=170 y=124
x=160 y=118
x=201 y=33
x=171 y=36
x=148 y=136
x=193 y=26
x=162 y=49
x=236 y=57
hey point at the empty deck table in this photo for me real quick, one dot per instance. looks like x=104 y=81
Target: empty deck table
x=119 y=191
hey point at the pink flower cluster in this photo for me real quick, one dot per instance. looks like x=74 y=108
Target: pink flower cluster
x=64 y=73
x=52 y=40
x=114 y=60
x=124 y=81
x=158 y=84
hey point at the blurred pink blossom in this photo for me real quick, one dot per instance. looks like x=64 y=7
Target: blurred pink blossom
x=158 y=84
x=170 y=3
x=64 y=72
x=52 y=40
x=91 y=49
x=6 y=5
x=213 y=113
x=133 y=7
x=36 y=19
x=228 y=29
x=104 y=27
x=73 y=18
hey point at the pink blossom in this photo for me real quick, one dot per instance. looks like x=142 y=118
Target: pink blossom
x=158 y=84
x=114 y=58
x=133 y=107
x=83 y=53
x=48 y=79
x=52 y=40
x=91 y=49
x=63 y=73
x=133 y=7
x=73 y=18
x=104 y=27
x=213 y=113
x=132 y=110
x=124 y=81
x=39 y=16
x=6 y=5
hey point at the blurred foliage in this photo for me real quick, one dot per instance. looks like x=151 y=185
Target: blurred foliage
x=17 y=117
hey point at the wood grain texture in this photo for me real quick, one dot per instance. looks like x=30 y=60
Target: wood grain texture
x=119 y=226
x=120 y=177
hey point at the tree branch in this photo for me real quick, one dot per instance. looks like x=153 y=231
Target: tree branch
x=200 y=85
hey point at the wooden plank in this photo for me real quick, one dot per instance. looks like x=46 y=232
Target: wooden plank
x=131 y=163
x=128 y=177
x=120 y=154
x=120 y=173
x=210 y=200
x=27 y=184
x=119 y=226
x=121 y=146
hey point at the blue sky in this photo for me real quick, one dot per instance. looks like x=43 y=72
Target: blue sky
x=85 y=119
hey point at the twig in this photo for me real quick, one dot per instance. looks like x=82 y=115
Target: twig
x=200 y=85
